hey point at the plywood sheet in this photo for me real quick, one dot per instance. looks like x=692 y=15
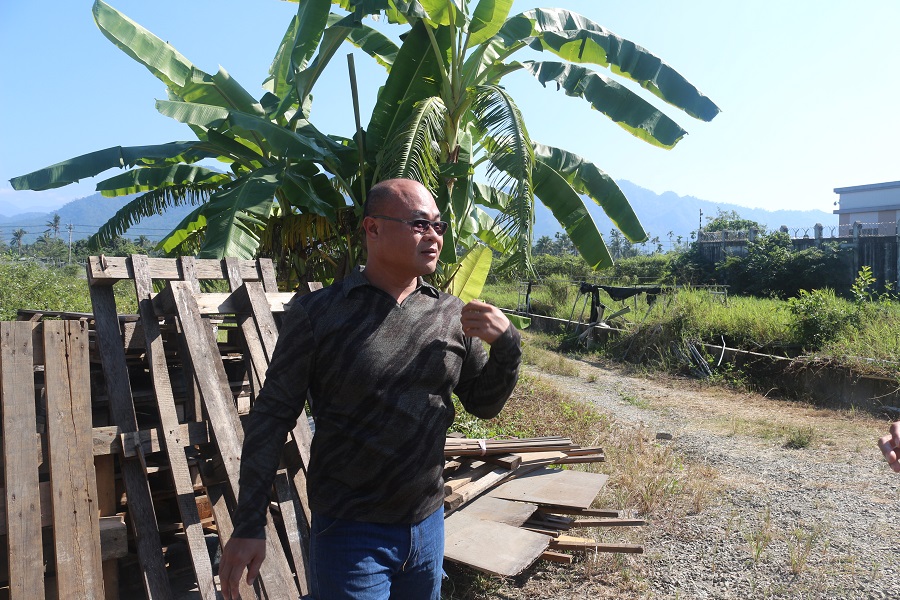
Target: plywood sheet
x=491 y=547
x=554 y=487
x=500 y=511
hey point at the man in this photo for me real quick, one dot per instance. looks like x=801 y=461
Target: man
x=380 y=354
x=890 y=446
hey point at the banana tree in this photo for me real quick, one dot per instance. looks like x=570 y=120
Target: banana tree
x=442 y=114
x=284 y=181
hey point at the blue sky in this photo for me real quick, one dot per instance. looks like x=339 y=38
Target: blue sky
x=808 y=91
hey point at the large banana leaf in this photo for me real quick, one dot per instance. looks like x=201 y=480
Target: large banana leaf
x=152 y=203
x=586 y=178
x=151 y=178
x=93 y=163
x=578 y=39
x=415 y=75
x=628 y=110
x=278 y=140
x=236 y=216
x=554 y=191
x=185 y=239
x=183 y=79
x=469 y=279
x=487 y=20
x=312 y=194
x=367 y=39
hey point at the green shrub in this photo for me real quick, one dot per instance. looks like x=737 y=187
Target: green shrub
x=820 y=317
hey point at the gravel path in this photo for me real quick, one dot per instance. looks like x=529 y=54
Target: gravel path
x=816 y=522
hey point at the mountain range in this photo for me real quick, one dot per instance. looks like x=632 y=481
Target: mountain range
x=659 y=213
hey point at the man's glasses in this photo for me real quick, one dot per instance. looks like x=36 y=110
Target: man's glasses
x=419 y=225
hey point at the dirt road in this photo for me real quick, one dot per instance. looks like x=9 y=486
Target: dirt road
x=817 y=521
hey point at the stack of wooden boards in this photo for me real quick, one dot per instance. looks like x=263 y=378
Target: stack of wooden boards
x=111 y=419
x=506 y=507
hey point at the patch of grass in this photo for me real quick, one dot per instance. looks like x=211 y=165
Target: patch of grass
x=801 y=543
x=760 y=536
x=800 y=437
x=633 y=400
x=548 y=362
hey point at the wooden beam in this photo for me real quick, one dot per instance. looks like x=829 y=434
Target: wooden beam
x=140 y=504
x=108 y=440
x=222 y=303
x=169 y=426
x=227 y=431
x=106 y=270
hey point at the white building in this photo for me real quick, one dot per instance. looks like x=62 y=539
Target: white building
x=876 y=206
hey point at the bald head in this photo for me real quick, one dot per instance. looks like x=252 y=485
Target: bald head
x=396 y=251
x=391 y=193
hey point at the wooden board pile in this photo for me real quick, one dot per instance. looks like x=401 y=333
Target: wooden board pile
x=135 y=419
x=504 y=491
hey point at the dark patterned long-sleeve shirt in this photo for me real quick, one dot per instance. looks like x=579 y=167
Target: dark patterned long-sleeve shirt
x=380 y=377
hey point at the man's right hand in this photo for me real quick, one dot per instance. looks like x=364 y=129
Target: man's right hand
x=890 y=446
x=240 y=554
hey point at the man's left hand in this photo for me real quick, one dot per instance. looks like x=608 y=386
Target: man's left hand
x=482 y=320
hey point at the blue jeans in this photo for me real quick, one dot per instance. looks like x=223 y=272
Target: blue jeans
x=356 y=560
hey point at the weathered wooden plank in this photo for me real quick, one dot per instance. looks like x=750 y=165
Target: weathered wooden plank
x=44 y=509
x=567 y=542
x=557 y=557
x=260 y=305
x=104 y=468
x=20 y=459
x=511 y=550
x=194 y=407
x=76 y=528
x=295 y=528
x=108 y=440
x=260 y=335
x=554 y=487
x=169 y=426
x=608 y=523
x=224 y=304
x=253 y=355
x=582 y=512
x=106 y=270
x=466 y=475
x=224 y=527
x=500 y=511
x=140 y=504
x=475 y=488
x=227 y=431
x=268 y=337
x=267 y=274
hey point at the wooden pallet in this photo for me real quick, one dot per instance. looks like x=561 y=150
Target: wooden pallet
x=58 y=508
x=253 y=300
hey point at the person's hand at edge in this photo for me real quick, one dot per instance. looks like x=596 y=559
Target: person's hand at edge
x=890 y=446
x=240 y=554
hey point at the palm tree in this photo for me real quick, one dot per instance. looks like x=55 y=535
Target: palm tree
x=18 y=239
x=53 y=225
x=442 y=113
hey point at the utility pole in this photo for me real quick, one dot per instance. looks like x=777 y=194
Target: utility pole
x=69 y=227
